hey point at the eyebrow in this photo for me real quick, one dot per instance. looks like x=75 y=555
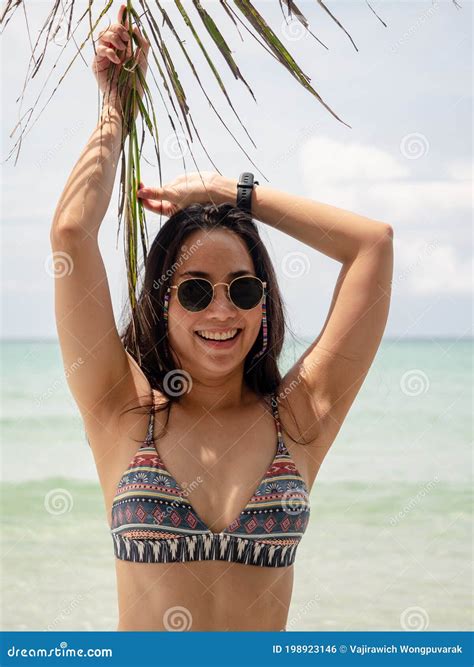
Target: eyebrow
x=203 y=274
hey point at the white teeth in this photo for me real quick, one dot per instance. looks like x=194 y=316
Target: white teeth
x=224 y=335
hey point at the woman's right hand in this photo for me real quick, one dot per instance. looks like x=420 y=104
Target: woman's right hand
x=117 y=38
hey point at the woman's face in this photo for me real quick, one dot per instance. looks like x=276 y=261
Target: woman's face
x=218 y=254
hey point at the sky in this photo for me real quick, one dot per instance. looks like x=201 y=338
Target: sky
x=406 y=160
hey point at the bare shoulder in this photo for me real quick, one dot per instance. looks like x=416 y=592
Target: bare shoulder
x=117 y=433
x=116 y=438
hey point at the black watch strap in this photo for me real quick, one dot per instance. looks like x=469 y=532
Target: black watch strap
x=244 y=191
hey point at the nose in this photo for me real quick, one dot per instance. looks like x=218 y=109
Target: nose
x=221 y=304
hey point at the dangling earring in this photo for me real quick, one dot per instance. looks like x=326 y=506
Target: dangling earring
x=166 y=305
x=264 y=327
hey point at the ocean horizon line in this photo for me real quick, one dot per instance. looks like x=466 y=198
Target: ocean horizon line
x=309 y=337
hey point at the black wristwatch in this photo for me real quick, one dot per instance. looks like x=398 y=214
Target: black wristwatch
x=244 y=191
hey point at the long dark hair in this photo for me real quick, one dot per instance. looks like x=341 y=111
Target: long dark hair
x=145 y=335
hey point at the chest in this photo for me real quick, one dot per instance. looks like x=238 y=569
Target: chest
x=219 y=466
x=218 y=463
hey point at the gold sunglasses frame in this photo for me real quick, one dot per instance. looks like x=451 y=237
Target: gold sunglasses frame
x=249 y=275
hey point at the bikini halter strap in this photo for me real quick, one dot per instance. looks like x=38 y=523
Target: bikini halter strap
x=149 y=435
x=274 y=404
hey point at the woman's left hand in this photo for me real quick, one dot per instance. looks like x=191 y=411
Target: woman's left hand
x=196 y=188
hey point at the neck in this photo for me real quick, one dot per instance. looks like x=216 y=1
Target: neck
x=217 y=394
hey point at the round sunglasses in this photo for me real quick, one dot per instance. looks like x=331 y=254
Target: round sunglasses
x=196 y=294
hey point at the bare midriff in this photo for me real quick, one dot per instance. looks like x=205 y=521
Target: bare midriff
x=202 y=596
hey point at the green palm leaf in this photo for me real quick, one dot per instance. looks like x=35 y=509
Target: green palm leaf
x=140 y=115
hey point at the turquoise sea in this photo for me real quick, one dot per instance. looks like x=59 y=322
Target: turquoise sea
x=389 y=542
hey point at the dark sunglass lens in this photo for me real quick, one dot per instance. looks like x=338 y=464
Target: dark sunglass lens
x=195 y=294
x=246 y=292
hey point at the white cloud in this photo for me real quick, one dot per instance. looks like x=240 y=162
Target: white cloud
x=445 y=272
x=375 y=183
x=430 y=268
x=330 y=161
x=413 y=202
x=460 y=170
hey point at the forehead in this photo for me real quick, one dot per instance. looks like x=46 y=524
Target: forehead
x=218 y=253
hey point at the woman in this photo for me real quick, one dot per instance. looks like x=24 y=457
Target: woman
x=207 y=507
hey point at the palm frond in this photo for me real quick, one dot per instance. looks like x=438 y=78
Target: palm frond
x=141 y=117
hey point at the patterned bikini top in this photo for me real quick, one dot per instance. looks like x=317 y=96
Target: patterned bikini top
x=154 y=522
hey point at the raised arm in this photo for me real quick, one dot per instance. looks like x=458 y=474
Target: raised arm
x=323 y=383
x=93 y=355
x=92 y=352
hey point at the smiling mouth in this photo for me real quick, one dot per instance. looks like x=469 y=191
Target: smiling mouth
x=219 y=342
